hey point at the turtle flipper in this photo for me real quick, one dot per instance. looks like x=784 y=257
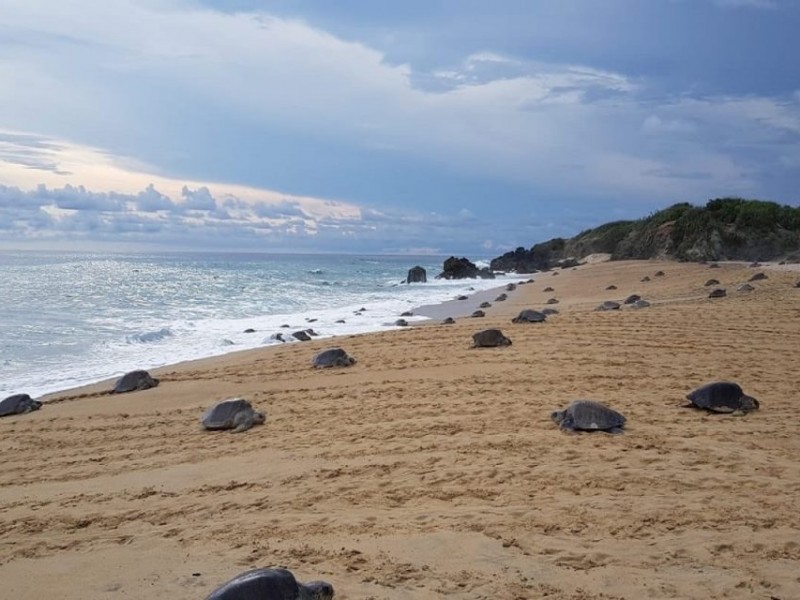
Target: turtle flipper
x=243 y=422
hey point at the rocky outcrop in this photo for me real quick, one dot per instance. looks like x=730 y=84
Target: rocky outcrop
x=724 y=229
x=417 y=275
x=463 y=268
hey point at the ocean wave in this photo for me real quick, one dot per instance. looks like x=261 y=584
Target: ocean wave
x=149 y=336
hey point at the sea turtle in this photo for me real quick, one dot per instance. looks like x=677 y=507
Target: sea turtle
x=271 y=584
x=552 y=301
x=333 y=357
x=640 y=304
x=549 y=311
x=490 y=338
x=718 y=293
x=659 y=274
x=501 y=298
x=401 y=323
x=18 y=404
x=645 y=278
x=797 y=285
x=511 y=287
x=588 y=415
x=235 y=413
x=755 y=264
x=407 y=313
x=461 y=297
x=745 y=287
x=722 y=397
x=529 y=316
x=448 y=321
x=758 y=277
x=711 y=282
x=608 y=305
x=133 y=381
x=302 y=335
x=548 y=289
x=485 y=305
x=478 y=313
x=611 y=287
x=632 y=298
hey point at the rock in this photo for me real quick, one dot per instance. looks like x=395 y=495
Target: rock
x=458 y=268
x=417 y=275
x=249 y=330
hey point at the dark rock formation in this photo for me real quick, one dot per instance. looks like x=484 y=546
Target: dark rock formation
x=417 y=275
x=463 y=268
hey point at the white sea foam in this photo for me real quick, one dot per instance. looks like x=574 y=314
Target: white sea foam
x=147 y=312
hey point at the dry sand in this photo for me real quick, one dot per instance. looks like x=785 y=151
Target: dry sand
x=432 y=470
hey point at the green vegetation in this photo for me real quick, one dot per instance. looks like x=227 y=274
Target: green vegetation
x=726 y=228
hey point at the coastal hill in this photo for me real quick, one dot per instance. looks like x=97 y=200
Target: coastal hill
x=724 y=229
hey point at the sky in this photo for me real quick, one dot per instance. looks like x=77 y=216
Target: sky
x=464 y=127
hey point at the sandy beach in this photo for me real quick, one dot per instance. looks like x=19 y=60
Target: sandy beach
x=431 y=469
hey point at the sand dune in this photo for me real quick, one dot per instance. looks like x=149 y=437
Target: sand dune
x=431 y=469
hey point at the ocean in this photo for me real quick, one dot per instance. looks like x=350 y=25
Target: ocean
x=70 y=319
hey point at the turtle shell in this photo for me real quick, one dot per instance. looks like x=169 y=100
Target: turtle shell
x=333 y=357
x=18 y=404
x=259 y=583
x=222 y=414
x=722 y=396
x=529 y=316
x=134 y=380
x=589 y=415
x=490 y=338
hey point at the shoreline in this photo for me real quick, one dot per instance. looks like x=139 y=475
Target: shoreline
x=431 y=469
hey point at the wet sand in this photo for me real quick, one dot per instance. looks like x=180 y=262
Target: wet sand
x=431 y=469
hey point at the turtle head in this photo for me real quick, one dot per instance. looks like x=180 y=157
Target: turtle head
x=259 y=417
x=748 y=403
x=558 y=416
x=316 y=590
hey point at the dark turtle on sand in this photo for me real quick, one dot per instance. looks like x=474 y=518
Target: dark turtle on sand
x=548 y=289
x=478 y=313
x=632 y=298
x=659 y=274
x=711 y=282
x=401 y=323
x=303 y=335
x=797 y=285
x=236 y=414
x=745 y=287
x=611 y=287
x=758 y=277
x=549 y=311
x=462 y=297
x=407 y=313
x=511 y=287
x=718 y=293
x=485 y=305
x=501 y=298
x=18 y=404
x=640 y=304
x=448 y=321
x=529 y=316
x=333 y=357
x=133 y=381
x=552 y=301
x=722 y=397
x=608 y=305
x=588 y=415
x=271 y=584
x=645 y=278
x=490 y=338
